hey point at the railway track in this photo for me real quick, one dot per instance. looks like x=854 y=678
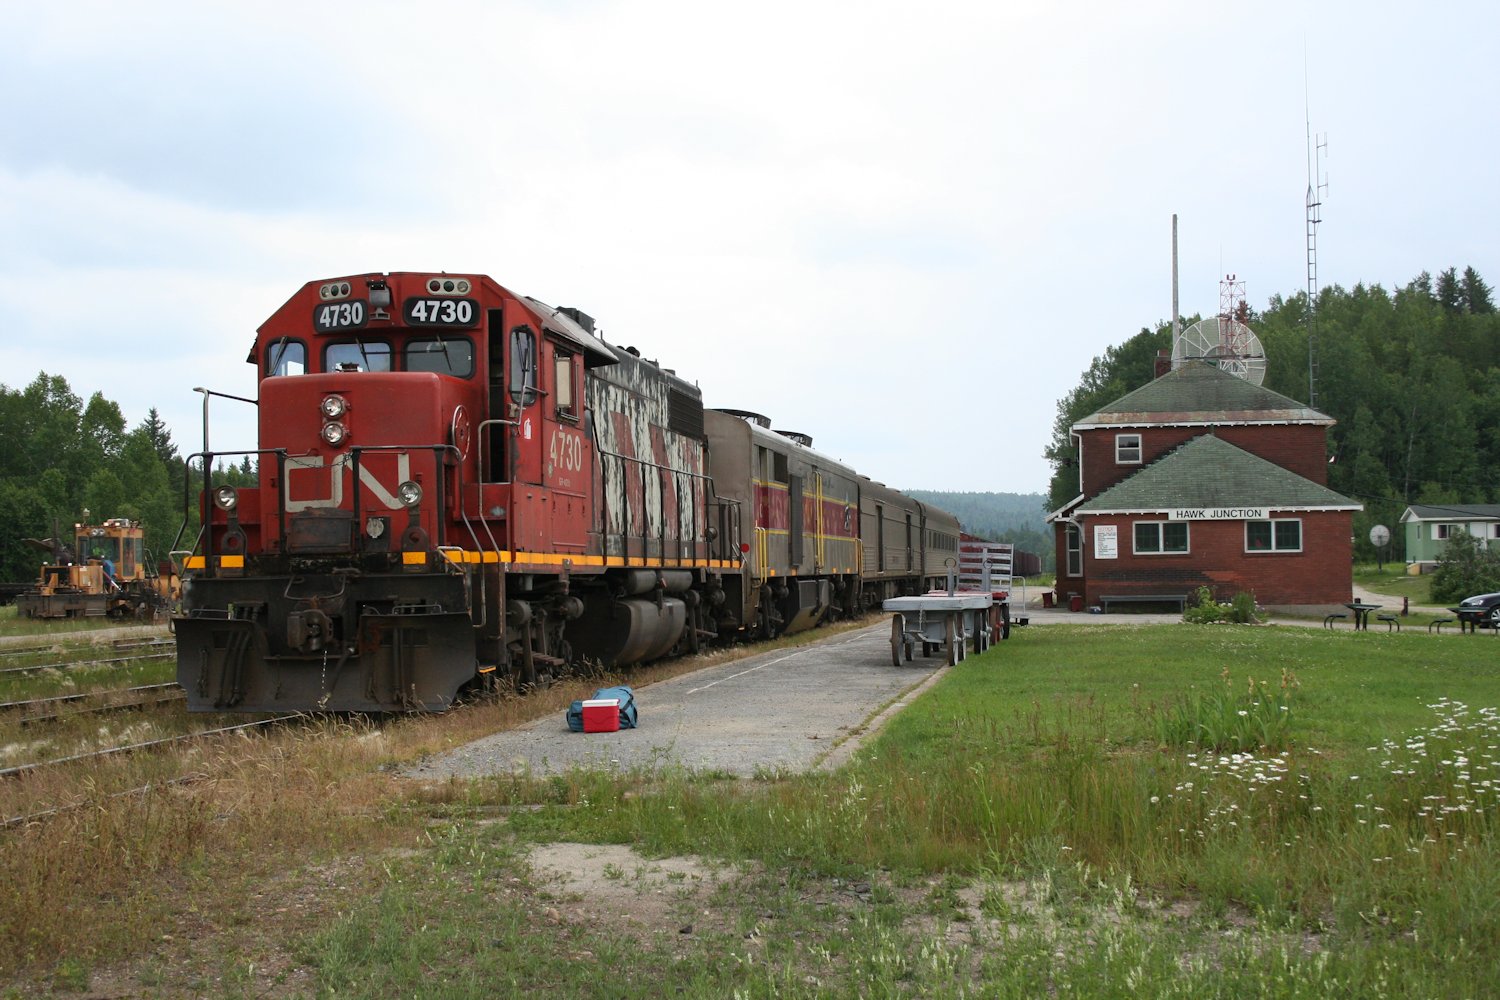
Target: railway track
x=85 y=664
x=66 y=706
x=24 y=769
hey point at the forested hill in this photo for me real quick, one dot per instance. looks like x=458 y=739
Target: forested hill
x=1411 y=375
x=63 y=456
x=1019 y=518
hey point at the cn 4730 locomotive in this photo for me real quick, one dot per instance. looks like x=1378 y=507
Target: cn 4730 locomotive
x=459 y=484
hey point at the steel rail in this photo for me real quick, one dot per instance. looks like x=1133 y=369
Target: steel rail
x=21 y=769
x=170 y=691
x=36 y=817
x=82 y=664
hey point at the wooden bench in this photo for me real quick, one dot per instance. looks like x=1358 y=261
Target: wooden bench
x=1336 y=616
x=1390 y=621
x=1106 y=600
x=1439 y=623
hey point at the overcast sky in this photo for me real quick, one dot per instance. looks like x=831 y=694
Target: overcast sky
x=902 y=228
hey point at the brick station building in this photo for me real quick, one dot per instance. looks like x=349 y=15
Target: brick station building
x=1200 y=478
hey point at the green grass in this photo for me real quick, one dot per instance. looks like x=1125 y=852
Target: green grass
x=12 y=624
x=1043 y=821
x=1356 y=857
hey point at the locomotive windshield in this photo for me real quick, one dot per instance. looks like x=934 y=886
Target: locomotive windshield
x=287 y=357
x=444 y=355
x=357 y=356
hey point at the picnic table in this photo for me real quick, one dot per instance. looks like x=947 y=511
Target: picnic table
x=1468 y=618
x=1362 y=613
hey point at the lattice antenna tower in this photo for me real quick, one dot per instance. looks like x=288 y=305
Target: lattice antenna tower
x=1317 y=189
x=1233 y=334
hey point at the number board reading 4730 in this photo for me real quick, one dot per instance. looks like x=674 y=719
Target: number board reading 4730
x=440 y=312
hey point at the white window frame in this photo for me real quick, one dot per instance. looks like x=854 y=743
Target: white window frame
x=1161 y=549
x=1444 y=530
x=1074 y=542
x=1123 y=449
x=1273 y=522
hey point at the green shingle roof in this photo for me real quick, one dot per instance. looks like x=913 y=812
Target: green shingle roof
x=1207 y=471
x=1202 y=393
x=1451 y=512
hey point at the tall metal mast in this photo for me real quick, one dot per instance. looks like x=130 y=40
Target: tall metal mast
x=1317 y=187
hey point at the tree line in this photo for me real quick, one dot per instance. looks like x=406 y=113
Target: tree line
x=1017 y=518
x=64 y=457
x=1412 y=375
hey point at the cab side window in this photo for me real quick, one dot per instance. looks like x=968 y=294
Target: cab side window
x=523 y=366
x=563 y=366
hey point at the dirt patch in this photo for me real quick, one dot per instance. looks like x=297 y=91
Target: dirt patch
x=614 y=886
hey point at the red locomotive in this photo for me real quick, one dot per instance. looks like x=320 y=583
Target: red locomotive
x=459 y=483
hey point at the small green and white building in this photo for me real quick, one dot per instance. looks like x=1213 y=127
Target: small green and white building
x=1428 y=529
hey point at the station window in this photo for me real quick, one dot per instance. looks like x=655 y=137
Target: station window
x=444 y=355
x=1075 y=550
x=1280 y=535
x=1161 y=537
x=357 y=356
x=1127 y=449
x=286 y=357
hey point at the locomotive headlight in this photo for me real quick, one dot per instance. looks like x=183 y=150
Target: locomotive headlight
x=335 y=433
x=226 y=497
x=334 y=407
x=410 y=493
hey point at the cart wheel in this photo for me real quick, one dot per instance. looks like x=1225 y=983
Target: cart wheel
x=983 y=640
x=907 y=650
x=926 y=648
x=898 y=638
x=955 y=643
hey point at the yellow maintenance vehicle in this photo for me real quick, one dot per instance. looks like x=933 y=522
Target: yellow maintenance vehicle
x=105 y=572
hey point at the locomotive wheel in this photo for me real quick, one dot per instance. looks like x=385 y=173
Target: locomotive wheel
x=898 y=638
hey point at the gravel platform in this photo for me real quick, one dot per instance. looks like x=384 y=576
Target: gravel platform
x=784 y=710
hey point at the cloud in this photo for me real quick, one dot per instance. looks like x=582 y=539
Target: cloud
x=885 y=229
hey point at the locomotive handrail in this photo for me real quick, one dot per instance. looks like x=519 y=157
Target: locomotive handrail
x=225 y=395
x=657 y=467
x=205 y=534
x=442 y=545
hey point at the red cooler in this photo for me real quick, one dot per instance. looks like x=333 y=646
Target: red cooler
x=601 y=715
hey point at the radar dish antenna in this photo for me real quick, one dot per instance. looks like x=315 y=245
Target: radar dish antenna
x=1224 y=340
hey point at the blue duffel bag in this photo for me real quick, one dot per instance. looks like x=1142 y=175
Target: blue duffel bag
x=622 y=694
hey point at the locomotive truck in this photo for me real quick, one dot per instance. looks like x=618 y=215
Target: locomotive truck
x=458 y=485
